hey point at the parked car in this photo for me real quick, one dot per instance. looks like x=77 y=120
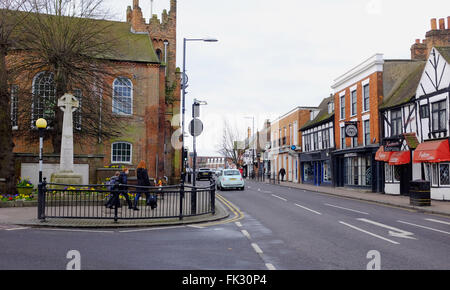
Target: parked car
x=230 y=178
x=204 y=174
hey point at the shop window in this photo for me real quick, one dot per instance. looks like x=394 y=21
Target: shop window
x=308 y=172
x=326 y=171
x=358 y=171
x=435 y=174
x=444 y=174
x=397 y=173
x=388 y=173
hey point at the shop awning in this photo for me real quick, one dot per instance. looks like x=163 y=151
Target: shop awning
x=432 y=152
x=383 y=155
x=400 y=158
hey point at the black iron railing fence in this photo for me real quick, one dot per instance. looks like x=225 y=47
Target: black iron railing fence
x=100 y=202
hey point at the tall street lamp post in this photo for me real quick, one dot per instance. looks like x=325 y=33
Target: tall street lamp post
x=253 y=143
x=184 y=85
x=41 y=124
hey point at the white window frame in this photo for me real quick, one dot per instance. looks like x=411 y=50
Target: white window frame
x=121 y=162
x=364 y=131
x=78 y=113
x=353 y=91
x=115 y=107
x=440 y=180
x=34 y=96
x=388 y=173
x=365 y=83
x=341 y=116
x=14 y=107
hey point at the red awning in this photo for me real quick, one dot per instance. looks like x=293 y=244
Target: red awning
x=400 y=158
x=383 y=155
x=433 y=152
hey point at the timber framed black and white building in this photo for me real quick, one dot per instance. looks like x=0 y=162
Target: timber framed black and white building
x=433 y=104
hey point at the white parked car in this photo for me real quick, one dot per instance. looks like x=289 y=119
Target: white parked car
x=230 y=178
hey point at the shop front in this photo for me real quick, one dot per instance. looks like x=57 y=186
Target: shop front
x=315 y=168
x=397 y=171
x=435 y=158
x=358 y=168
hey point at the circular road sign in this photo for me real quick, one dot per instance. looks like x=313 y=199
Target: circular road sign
x=196 y=127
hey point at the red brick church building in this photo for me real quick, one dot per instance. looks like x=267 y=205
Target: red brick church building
x=149 y=89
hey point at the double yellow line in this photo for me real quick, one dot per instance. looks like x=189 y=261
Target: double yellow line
x=238 y=215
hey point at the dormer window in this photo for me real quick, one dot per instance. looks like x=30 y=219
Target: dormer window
x=330 y=107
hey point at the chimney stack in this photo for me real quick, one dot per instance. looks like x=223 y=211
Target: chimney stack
x=442 y=24
x=433 y=24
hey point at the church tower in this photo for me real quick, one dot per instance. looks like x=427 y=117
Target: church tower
x=163 y=34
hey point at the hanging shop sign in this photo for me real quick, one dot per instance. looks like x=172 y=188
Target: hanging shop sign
x=393 y=144
x=351 y=129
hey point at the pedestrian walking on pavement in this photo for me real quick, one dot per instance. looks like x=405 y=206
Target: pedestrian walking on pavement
x=123 y=188
x=282 y=173
x=143 y=180
x=113 y=187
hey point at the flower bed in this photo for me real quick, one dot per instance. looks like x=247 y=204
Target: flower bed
x=18 y=200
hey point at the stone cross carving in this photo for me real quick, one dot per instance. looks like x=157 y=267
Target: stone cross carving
x=68 y=104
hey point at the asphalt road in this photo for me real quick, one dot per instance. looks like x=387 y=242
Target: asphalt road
x=270 y=227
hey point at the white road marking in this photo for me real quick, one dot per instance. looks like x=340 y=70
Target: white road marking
x=196 y=227
x=16 y=229
x=270 y=267
x=238 y=224
x=316 y=212
x=84 y=231
x=344 y=208
x=438 y=221
x=279 y=197
x=257 y=248
x=152 y=229
x=420 y=226
x=246 y=234
x=369 y=233
x=393 y=231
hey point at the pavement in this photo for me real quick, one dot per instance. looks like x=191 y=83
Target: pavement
x=26 y=216
x=437 y=207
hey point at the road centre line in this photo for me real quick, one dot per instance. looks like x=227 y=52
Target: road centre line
x=301 y=206
x=438 y=221
x=246 y=234
x=369 y=233
x=270 y=267
x=238 y=224
x=279 y=197
x=344 y=208
x=424 y=227
x=257 y=248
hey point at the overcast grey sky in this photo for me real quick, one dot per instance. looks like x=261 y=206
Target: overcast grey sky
x=275 y=55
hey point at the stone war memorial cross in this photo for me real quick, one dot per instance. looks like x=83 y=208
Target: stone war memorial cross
x=68 y=104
